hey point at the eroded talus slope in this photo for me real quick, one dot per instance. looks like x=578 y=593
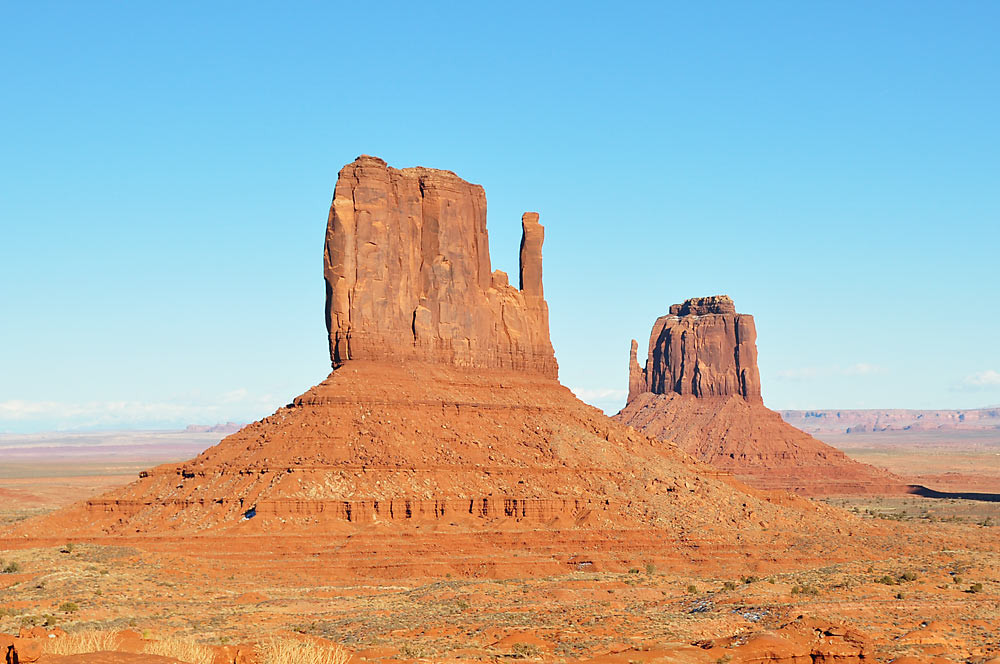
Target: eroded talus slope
x=405 y=445
x=700 y=389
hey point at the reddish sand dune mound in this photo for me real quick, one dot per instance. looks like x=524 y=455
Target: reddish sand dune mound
x=700 y=389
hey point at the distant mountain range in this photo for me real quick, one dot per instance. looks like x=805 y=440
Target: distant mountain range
x=869 y=421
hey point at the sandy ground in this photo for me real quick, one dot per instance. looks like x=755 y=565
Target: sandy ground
x=945 y=461
x=915 y=604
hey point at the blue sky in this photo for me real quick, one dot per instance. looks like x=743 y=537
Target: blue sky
x=166 y=172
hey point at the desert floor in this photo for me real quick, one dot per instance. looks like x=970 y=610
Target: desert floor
x=934 y=602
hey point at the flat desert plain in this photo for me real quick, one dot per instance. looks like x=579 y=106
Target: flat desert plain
x=941 y=602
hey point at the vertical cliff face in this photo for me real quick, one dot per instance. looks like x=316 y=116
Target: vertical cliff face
x=408 y=275
x=700 y=389
x=702 y=348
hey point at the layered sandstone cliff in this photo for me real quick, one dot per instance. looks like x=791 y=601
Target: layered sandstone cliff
x=408 y=275
x=703 y=348
x=700 y=389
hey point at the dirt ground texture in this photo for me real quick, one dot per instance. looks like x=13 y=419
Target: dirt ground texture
x=940 y=599
x=937 y=602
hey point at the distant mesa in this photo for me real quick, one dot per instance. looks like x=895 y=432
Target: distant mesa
x=228 y=427
x=878 y=421
x=700 y=388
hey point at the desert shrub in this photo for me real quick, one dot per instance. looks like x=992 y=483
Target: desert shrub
x=805 y=590
x=634 y=570
x=887 y=580
x=12 y=567
x=692 y=589
x=908 y=576
x=729 y=585
x=900 y=596
x=69 y=607
x=79 y=643
x=524 y=650
x=186 y=650
x=650 y=568
x=67 y=548
x=411 y=652
x=748 y=579
x=293 y=651
x=975 y=588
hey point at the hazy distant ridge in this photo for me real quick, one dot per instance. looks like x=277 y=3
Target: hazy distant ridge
x=868 y=421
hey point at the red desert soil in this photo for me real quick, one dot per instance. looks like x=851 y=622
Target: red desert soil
x=440 y=496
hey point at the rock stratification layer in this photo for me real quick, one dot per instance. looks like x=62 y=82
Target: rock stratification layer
x=408 y=275
x=700 y=389
x=703 y=348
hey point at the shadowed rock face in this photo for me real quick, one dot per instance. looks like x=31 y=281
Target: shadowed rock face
x=408 y=275
x=702 y=348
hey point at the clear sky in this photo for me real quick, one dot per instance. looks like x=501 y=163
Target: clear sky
x=166 y=171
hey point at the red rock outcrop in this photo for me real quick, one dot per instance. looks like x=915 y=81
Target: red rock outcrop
x=700 y=389
x=408 y=275
x=442 y=440
x=703 y=348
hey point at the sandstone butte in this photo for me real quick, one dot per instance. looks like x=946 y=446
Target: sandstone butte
x=700 y=389
x=443 y=443
x=444 y=408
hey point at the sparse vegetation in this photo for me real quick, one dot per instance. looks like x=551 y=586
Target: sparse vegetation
x=805 y=590
x=78 y=643
x=69 y=607
x=692 y=589
x=186 y=650
x=975 y=588
x=13 y=567
x=729 y=585
x=525 y=650
x=294 y=651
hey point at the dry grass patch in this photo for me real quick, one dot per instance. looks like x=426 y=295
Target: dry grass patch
x=79 y=643
x=186 y=650
x=275 y=650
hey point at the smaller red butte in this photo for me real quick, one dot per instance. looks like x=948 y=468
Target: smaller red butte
x=700 y=389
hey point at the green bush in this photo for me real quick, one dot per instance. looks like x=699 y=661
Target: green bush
x=69 y=607
x=692 y=589
x=975 y=588
x=908 y=576
x=12 y=568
